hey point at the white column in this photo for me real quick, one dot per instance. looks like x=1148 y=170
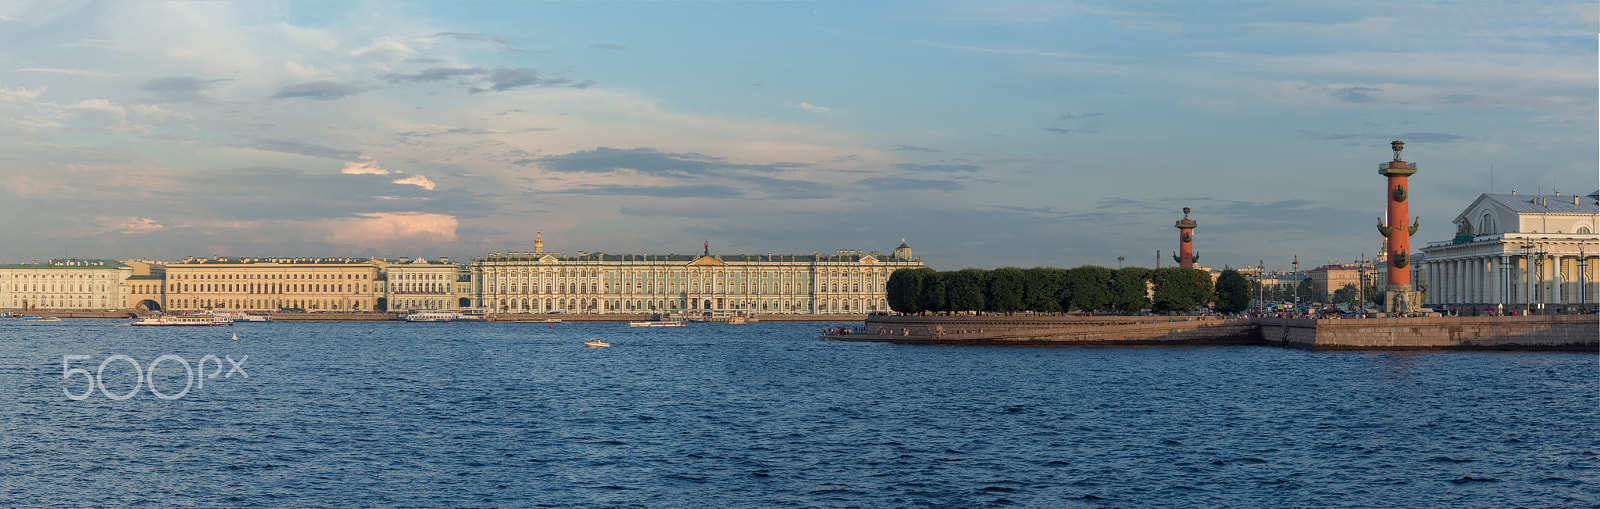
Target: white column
x=1458 y=267
x=1532 y=270
x=1428 y=279
x=1555 y=279
x=1475 y=276
x=1494 y=280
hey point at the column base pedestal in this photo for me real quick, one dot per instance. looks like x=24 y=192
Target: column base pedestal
x=1402 y=301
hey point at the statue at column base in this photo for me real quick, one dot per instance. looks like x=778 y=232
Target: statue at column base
x=1402 y=302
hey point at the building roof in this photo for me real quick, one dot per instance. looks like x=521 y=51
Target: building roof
x=686 y=259
x=1546 y=203
x=223 y=260
x=72 y=263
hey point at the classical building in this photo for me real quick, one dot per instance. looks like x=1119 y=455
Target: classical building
x=68 y=284
x=541 y=282
x=270 y=284
x=146 y=287
x=1330 y=278
x=420 y=284
x=1516 y=252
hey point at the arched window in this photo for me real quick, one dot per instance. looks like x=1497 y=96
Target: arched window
x=1584 y=229
x=1486 y=226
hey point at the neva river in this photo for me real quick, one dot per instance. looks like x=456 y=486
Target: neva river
x=764 y=415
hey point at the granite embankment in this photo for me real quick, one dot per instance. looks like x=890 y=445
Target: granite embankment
x=1561 y=332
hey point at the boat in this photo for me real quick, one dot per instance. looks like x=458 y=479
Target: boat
x=183 y=320
x=657 y=323
x=738 y=320
x=40 y=319
x=595 y=343
x=472 y=315
x=431 y=316
x=532 y=320
x=242 y=317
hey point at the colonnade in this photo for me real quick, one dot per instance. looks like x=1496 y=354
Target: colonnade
x=1519 y=281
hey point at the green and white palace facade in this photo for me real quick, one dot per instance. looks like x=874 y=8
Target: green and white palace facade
x=846 y=281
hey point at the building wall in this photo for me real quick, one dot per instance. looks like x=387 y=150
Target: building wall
x=63 y=285
x=267 y=284
x=421 y=285
x=847 y=282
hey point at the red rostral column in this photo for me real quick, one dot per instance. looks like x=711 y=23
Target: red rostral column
x=1185 y=256
x=1398 y=234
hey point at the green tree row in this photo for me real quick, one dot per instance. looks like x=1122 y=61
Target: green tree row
x=1049 y=290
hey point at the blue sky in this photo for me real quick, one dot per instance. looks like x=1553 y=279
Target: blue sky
x=988 y=134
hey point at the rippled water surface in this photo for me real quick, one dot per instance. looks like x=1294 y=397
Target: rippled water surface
x=713 y=415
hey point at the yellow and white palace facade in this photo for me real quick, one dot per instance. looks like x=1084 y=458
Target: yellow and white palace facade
x=541 y=282
x=271 y=284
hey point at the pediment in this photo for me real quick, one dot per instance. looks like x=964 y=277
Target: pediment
x=706 y=261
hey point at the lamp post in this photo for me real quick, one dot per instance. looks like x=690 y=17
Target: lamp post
x=1119 y=262
x=1296 y=265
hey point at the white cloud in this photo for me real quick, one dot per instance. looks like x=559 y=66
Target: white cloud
x=393 y=229
x=417 y=180
x=366 y=166
x=813 y=108
x=138 y=225
x=385 y=49
x=75 y=72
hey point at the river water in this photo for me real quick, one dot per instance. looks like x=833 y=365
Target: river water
x=764 y=415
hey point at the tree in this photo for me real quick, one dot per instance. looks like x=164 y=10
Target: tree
x=932 y=297
x=1042 y=288
x=964 y=290
x=1128 y=291
x=904 y=289
x=1346 y=294
x=1233 y=292
x=1088 y=289
x=1180 y=289
x=1308 y=291
x=1003 y=290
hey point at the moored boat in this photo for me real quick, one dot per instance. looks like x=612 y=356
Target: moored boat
x=40 y=319
x=431 y=316
x=657 y=323
x=595 y=343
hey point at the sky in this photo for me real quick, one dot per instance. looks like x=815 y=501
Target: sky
x=987 y=134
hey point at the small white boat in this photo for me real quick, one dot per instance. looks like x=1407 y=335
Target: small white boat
x=659 y=323
x=595 y=343
x=40 y=319
x=431 y=316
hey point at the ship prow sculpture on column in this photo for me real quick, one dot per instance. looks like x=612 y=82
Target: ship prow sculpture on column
x=1398 y=296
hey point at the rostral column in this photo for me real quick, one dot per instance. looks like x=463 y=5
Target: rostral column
x=1398 y=295
x=1185 y=256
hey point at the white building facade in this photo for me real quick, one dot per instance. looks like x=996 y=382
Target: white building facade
x=1516 y=253
x=64 y=285
x=540 y=282
x=421 y=285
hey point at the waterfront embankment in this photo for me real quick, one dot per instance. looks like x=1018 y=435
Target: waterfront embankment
x=1549 y=332
x=124 y=314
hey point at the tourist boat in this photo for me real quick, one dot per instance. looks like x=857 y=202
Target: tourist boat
x=595 y=343
x=242 y=317
x=431 y=316
x=472 y=315
x=183 y=320
x=40 y=319
x=738 y=320
x=532 y=320
x=657 y=323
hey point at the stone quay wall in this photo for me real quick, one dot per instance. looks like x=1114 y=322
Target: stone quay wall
x=1057 y=330
x=1549 y=332
x=1546 y=332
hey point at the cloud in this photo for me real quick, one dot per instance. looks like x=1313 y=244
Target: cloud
x=647 y=161
x=179 y=88
x=386 y=48
x=608 y=46
x=1069 y=116
x=914 y=149
x=909 y=184
x=1369 y=25
x=303 y=148
x=681 y=191
x=137 y=225
x=940 y=168
x=1384 y=139
x=1070 y=132
x=74 y=72
x=813 y=108
x=365 y=166
x=434 y=74
x=1354 y=94
x=502 y=78
x=392 y=228
x=319 y=90
x=416 y=180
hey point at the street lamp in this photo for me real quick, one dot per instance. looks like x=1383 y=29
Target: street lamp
x=1296 y=265
x=1119 y=262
